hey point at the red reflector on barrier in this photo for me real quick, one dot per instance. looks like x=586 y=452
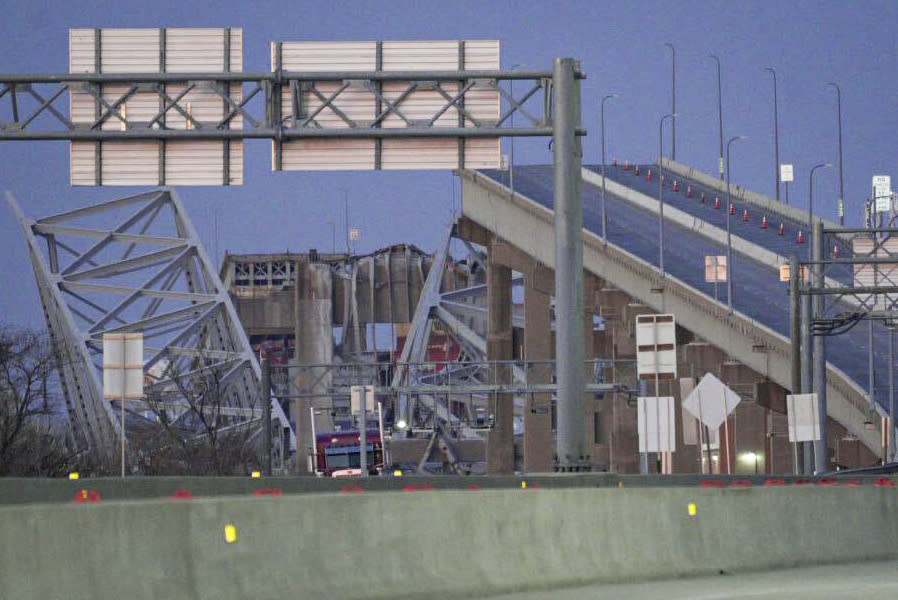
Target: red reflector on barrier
x=741 y=483
x=352 y=489
x=182 y=495
x=268 y=492
x=852 y=483
x=884 y=482
x=827 y=481
x=474 y=487
x=774 y=482
x=803 y=482
x=712 y=483
x=418 y=487
x=88 y=497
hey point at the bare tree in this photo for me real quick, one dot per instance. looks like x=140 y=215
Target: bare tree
x=196 y=430
x=32 y=431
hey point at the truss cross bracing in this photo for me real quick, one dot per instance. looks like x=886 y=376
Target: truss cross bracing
x=137 y=265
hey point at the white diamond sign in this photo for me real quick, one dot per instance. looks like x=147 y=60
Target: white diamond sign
x=711 y=401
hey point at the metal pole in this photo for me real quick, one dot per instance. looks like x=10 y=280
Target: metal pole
x=124 y=383
x=660 y=191
x=794 y=297
x=266 y=414
x=776 y=136
x=871 y=374
x=841 y=180
x=806 y=372
x=604 y=218
x=729 y=236
x=719 y=115
x=811 y=200
x=380 y=430
x=673 y=100
x=363 y=431
x=314 y=441
x=821 y=455
x=346 y=219
x=571 y=426
x=511 y=141
x=893 y=444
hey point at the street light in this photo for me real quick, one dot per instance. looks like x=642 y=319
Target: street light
x=511 y=141
x=841 y=181
x=660 y=195
x=811 y=201
x=719 y=114
x=673 y=99
x=776 y=136
x=729 y=238
x=602 y=111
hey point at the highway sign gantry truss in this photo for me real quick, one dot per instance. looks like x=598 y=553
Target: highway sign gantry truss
x=136 y=265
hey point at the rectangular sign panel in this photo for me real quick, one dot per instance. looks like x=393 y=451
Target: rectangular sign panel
x=786 y=173
x=882 y=192
x=656 y=346
x=876 y=275
x=391 y=104
x=156 y=162
x=656 y=423
x=804 y=419
x=715 y=269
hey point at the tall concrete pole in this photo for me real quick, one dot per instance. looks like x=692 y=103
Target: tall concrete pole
x=807 y=355
x=821 y=456
x=266 y=415
x=570 y=441
x=794 y=297
x=776 y=136
x=841 y=179
x=673 y=100
x=719 y=115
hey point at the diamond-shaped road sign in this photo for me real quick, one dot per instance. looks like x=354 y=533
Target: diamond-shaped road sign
x=711 y=401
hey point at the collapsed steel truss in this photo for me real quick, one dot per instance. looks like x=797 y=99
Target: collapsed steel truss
x=137 y=265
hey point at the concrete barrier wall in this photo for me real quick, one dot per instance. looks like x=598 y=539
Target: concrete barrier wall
x=430 y=544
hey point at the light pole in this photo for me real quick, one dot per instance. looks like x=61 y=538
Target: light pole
x=729 y=238
x=511 y=142
x=841 y=181
x=346 y=219
x=719 y=115
x=824 y=165
x=673 y=100
x=660 y=195
x=602 y=111
x=776 y=136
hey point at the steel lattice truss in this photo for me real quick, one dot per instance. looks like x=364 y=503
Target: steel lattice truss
x=35 y=107
x=137 y=265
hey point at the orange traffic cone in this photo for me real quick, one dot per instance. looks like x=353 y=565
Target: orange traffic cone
x=614 y=162
x=782 y=229
x=689 y=191
x=626 y=165
x=648 y=175
x=636 y=171
x=800 y=237
x=745 y=216
x=835 y=252
x=703 y=197
x=676 y=186
x=732 y=209
x=716 y=202
x=764 y=222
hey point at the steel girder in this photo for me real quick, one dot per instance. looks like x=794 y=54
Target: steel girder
x=137 y=265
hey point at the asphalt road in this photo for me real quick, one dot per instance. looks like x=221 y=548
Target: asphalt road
x=867 y=581
x=757 y=291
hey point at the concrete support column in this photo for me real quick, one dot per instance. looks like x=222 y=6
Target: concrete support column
x=500 y=443
x=313 y=310
x=539 y=448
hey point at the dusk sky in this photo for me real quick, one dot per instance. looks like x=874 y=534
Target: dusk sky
x=621 y=46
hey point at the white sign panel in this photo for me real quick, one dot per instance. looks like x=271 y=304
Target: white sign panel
x=711 y=402
x=154 y=162
x=656 y=346
x=656 y=422
x=804 y=419
x=357 y=104
x=876 y=275
x=715 y=269
x=786 y=173
x=882 y=192
x=356 y=393
x=123 y=365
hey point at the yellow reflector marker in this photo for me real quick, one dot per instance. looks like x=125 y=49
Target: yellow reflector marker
x=397 y=473
x=230 y=534
x=692 y=509
x=523 y=485
x=620 y=484
x=74 y=476
x=256 y=474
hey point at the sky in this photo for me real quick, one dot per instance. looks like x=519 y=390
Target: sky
x=621 y=46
